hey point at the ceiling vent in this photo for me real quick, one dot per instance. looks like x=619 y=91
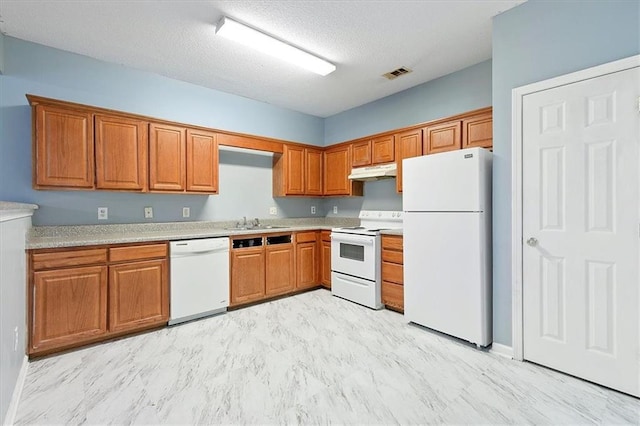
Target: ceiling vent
x=396 y=73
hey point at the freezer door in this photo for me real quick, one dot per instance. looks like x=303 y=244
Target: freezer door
x=449 y=181
x=447 y=281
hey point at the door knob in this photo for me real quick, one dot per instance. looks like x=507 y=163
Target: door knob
x=532 y=242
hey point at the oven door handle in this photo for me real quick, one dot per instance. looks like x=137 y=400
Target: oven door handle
x=342 y=238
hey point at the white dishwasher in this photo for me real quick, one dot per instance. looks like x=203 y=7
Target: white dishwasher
x=199 y=278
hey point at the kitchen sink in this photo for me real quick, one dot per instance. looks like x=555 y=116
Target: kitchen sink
x=251 y=228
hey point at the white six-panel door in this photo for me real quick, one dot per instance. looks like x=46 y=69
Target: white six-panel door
x=580 y=223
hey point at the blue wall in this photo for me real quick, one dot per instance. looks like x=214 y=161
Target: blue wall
x=461 y=91
x=245 y=179
x=1 y=53
x=532 y=42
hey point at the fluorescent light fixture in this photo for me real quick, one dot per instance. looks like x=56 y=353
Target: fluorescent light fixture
x=236 y=31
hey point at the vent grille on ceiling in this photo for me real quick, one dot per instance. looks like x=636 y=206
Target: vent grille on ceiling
x=397 y=73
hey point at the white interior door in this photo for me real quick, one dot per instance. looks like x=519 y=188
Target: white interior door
x=581 y=229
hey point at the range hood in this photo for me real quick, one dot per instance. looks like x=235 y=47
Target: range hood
x=382 y=171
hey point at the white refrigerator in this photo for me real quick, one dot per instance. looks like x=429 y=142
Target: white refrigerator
x=447 y=243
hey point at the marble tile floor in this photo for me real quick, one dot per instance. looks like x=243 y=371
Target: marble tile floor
x=307 y=359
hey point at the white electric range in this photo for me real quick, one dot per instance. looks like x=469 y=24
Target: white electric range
x=355 y=257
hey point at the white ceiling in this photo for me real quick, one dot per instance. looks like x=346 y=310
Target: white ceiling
x=364 y=39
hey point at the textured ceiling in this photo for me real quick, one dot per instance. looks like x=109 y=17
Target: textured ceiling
x=364 y=39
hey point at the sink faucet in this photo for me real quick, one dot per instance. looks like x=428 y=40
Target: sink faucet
x=244 y=221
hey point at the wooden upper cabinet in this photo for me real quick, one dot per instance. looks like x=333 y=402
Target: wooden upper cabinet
x=167 y=155
x=202 y=161
x=478 y=131
x=337 y=166
x=121 y=153
x=442 y=137
x=313 y=172
x=361 y=154
x=63 y=151
x=408 y=144
x=297 y=171
x=294 y=170
x=382 y=149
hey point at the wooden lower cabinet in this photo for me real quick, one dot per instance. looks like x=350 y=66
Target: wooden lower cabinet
x=325 y=259
x=79 y=296
x=393 y=296
x=247 y=275
x=138 y=295
x=280 y=269
x=392 y=272
x=307 y=259
x=69 y=306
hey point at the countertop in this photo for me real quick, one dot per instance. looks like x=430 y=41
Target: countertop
x=391 y=232
x=10 y=210
x=42 y=237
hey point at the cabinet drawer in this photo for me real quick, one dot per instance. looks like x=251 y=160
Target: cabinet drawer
x=392 y=242
x=325 y=236
x=392 y=256
x=392 y=272
x=393 y=295
x=306 y=237
x=150 y=251
x=60 y=259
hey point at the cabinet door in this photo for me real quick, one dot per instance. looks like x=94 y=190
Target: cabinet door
x=121 y=153
x=167 y=157
x=247 y=275
x=313 y=168
x=63 y=152
x=442 y=137
x=383 y=149
x=408 y=144
x=478 y=131
x=337 y=166
x=294 y=170
x=393 y=296
x=202 y=162
x=307 y=261
x=69 y=306
x=361 y=154
x=138 y=295
x=280 y=269
x=325 y=264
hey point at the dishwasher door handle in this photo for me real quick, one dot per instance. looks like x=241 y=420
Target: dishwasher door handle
x=197 y=252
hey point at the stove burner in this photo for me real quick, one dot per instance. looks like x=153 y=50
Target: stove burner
x=353 y=227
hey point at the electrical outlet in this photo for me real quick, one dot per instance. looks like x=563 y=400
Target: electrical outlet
x=313 y=209
x=103 y=213
x=15 y=339
x=273 y=211
x=186 y=212
x=148 y=212
x=335 y=209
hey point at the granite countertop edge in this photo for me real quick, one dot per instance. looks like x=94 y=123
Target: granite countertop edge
x=46 y=237
x=391 y=232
